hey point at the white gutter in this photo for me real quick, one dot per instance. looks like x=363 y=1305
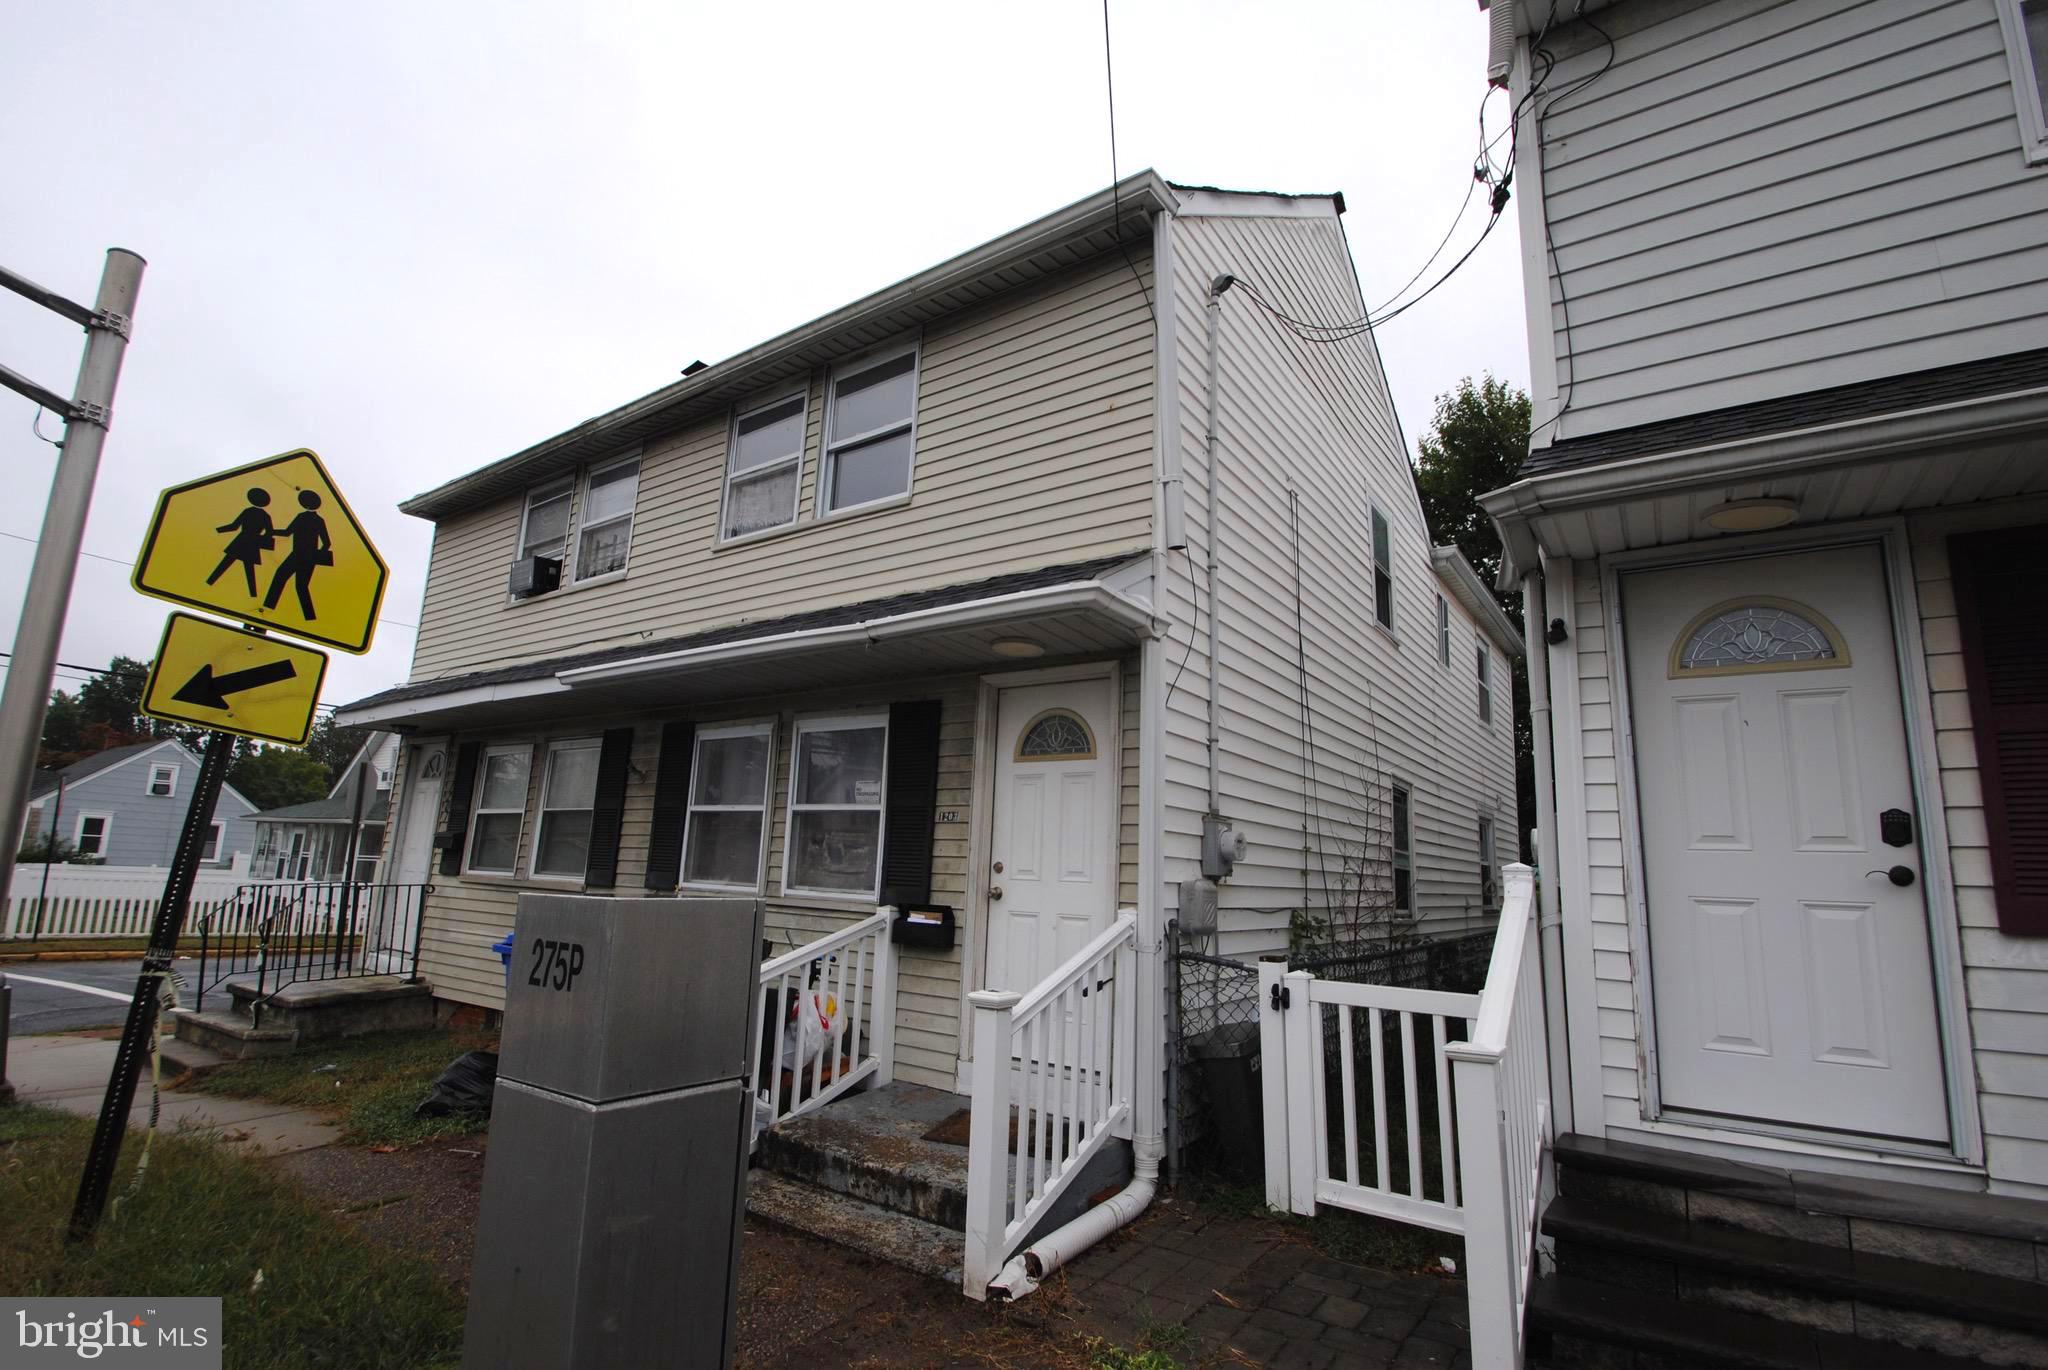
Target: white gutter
x=1469 y=590
x=399 y=710
x=1549 y=920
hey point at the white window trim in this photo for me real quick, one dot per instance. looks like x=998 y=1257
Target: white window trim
x=1396 y=831
x=796 y=498
x=106 y=832
x=834 y=723
x=547 y=490
x=760 y=727
x=1372 y=572
x=1443 y=631
x=831 y=442
x=477 y=810
x=1484 y=704
x=218 y=832
x=555 y=745
x=2026 y=87
x=577 y=527
x=157 y=768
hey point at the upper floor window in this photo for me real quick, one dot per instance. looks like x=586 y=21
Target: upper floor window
x=607 y=522
x=2026 y=41
x=835 y=806
x=163 y=781
x=1443 y=631
x=545 y=530
x=1382 y=572
x=869 y=431
x=1483 y=668
x=765 y=466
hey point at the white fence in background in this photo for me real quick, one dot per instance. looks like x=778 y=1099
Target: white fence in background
x=107 y=901
x=829 y=1032
x=1349 y=1121
x=1062 y=1058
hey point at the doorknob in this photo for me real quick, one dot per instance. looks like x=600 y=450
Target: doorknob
x=1898 y=875
x=995 y=892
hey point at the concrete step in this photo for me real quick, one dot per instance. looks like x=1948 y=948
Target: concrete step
x=322 y=1009
x=233 y=1037
x=871 y=1147
x=1877 y=1297
x=868 y=1228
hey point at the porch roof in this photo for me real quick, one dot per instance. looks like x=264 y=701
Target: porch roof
x=1071 y=610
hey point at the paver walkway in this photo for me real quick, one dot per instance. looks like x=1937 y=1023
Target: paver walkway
x=1256 y=1294
x=69 y=1072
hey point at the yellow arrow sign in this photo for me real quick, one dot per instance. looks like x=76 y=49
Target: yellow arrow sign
x=234 y=681
x=272 y=543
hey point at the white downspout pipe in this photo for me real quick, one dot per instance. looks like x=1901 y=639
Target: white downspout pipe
x=1212 y=530
x=1549 y=921
x=1061 y=1246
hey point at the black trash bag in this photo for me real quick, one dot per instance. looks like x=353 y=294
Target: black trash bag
x=465 y=1087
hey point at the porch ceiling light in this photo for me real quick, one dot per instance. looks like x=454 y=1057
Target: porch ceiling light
x=1751 y=515
x=1017 y=647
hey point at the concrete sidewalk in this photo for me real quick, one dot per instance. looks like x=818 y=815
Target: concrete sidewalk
x=69 y=1072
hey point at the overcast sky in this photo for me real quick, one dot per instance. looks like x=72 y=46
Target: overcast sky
x=418 y=237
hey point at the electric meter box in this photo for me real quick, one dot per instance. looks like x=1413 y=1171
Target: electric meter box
x=615 y=1182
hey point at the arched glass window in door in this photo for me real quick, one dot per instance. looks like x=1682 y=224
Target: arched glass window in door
x=434 y=765
x=1741 y=636
x=1056 y=735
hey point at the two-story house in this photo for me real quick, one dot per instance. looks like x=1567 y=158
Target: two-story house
x=126 y=806
x=1053 y=588
x=1787 y=306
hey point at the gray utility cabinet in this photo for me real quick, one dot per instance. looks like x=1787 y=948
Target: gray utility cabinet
x=616 y=1177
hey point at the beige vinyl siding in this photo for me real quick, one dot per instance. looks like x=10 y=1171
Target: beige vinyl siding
x=1033 y=447
x=1761 y=198
x=1317 y=420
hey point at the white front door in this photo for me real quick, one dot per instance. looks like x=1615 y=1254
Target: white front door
x=1793 y=981
x=424 y=772
x=1052 y=858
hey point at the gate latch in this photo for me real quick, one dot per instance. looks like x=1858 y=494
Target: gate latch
x=1281 y=998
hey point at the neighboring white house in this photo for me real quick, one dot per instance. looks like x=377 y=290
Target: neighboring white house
x=126 y=806
x=941 y=599
x=309 y=841
x=1781 y=525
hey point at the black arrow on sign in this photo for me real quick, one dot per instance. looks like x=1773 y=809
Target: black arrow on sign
x=210 y=691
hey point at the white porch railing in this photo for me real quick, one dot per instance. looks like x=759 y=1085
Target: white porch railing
x=107 y=901
x=856 y=981
x=1062 y=1057
x=1468 y=1068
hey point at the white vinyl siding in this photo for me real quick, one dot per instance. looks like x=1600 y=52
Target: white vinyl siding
x=725 y=832
x=1042 y=391
x=1761 y=198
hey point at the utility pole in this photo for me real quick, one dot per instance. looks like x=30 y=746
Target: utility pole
x=86 y=416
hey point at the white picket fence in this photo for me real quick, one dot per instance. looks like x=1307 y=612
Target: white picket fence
x=1470 y=1067
x=1062 y=1057
x=107 y=901
x=856 y=982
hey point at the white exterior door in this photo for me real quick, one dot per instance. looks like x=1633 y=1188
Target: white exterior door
x=1793 y=982
x=422 y=799
x=1052 y=858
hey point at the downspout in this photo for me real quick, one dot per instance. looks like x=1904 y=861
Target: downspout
x=1213 y=536
x=1549 y=921
x=1057 y=1248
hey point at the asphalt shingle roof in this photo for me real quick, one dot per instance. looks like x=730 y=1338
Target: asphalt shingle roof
x=46 y=781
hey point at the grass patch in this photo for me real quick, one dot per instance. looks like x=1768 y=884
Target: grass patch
x=374 y=1083
x=205 y=1222
x=1338 y=1233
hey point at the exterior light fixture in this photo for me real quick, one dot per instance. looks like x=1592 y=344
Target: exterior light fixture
x=1017 y=647
x=1751 y=515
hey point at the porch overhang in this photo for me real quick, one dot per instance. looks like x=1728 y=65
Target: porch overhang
x=1074 y=619
x=1934 y=456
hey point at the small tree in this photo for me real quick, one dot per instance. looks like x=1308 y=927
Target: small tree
x=46 y=847
x=272 y=777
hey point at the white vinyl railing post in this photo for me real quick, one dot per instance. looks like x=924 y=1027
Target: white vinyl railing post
x=1273 y=1079
x=1490 y=1266
x=882 y=1009
x=1123 y=1048
x=1304 y=1091
x=988 y=1141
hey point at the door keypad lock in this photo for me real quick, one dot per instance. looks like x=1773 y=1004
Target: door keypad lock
x=1895 y=826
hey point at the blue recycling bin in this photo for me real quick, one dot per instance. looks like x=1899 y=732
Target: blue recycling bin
x=504 y=950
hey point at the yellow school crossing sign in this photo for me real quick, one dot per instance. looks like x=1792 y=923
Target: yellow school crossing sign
x=271 y=543
x=234 y=681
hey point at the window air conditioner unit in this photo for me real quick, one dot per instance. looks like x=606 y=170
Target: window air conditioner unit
x=535 y=576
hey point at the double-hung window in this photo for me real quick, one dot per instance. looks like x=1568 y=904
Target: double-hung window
x=211 y=851
x=836 y=784
x=607 y=522
x=93 y=831
x=163 y=781
x=869 y=431
x=568 y=792
x=500 y=808
x=1483 y=668
x=727 y=817
x=765 y=467
x=544 y=532
x=1443 y=631
x=1382 y=572
x=1489 y=889
x=1404 y=856
x=2026 y=43
x=369 y=851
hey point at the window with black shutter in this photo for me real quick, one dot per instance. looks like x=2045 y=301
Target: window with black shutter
x=460 y=795
x=671 y=798
x=2005 y=657
x=912 y=802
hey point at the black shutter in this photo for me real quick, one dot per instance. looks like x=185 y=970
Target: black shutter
x=2005 y=660
x=608 y=811
x=911 y=802
x=671 y=796
x=459 y=798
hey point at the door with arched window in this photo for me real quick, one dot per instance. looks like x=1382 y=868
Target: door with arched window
x=1052 y=876
x=1791 y=966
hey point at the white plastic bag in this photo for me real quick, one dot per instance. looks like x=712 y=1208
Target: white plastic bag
x=802 y=1040
x=764 y=1118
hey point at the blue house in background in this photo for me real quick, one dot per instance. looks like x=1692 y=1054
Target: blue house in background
x=125 y=805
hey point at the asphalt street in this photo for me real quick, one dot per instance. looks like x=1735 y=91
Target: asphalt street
x=70 y=1003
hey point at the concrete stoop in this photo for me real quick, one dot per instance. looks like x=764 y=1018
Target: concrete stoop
x=231 y=1037
x=307 y=1011
x=1672 y=1259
